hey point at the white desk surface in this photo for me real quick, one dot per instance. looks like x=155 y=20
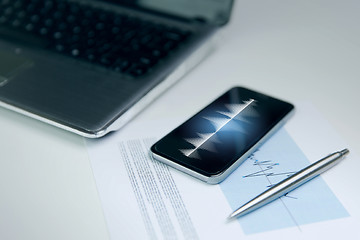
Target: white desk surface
x=294 y=50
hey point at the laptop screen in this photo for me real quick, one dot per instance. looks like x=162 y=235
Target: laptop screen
x=214 y=11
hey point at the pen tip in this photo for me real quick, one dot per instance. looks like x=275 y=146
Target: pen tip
x=236 y=214
x=230 y=217
x=233 y=215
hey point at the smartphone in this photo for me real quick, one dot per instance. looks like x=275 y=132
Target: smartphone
x=216 y=140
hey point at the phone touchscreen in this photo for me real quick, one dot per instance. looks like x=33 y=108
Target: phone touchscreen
x=216 y=137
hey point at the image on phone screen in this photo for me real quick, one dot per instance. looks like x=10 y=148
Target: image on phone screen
x=222 y=134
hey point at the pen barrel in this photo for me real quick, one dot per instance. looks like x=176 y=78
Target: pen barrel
x=304 y=175
x=291 y=183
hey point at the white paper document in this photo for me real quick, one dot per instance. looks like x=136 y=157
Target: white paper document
x=145 y=199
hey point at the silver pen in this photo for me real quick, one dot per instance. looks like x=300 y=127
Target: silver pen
x=290 y=183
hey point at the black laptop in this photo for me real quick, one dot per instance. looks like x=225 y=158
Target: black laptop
x=89 y=66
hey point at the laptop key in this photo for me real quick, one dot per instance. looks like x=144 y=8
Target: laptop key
x=119 y=42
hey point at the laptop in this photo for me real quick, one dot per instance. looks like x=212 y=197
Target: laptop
x=90 y=66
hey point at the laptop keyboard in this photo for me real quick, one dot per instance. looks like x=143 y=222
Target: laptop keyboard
x=118 y=42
